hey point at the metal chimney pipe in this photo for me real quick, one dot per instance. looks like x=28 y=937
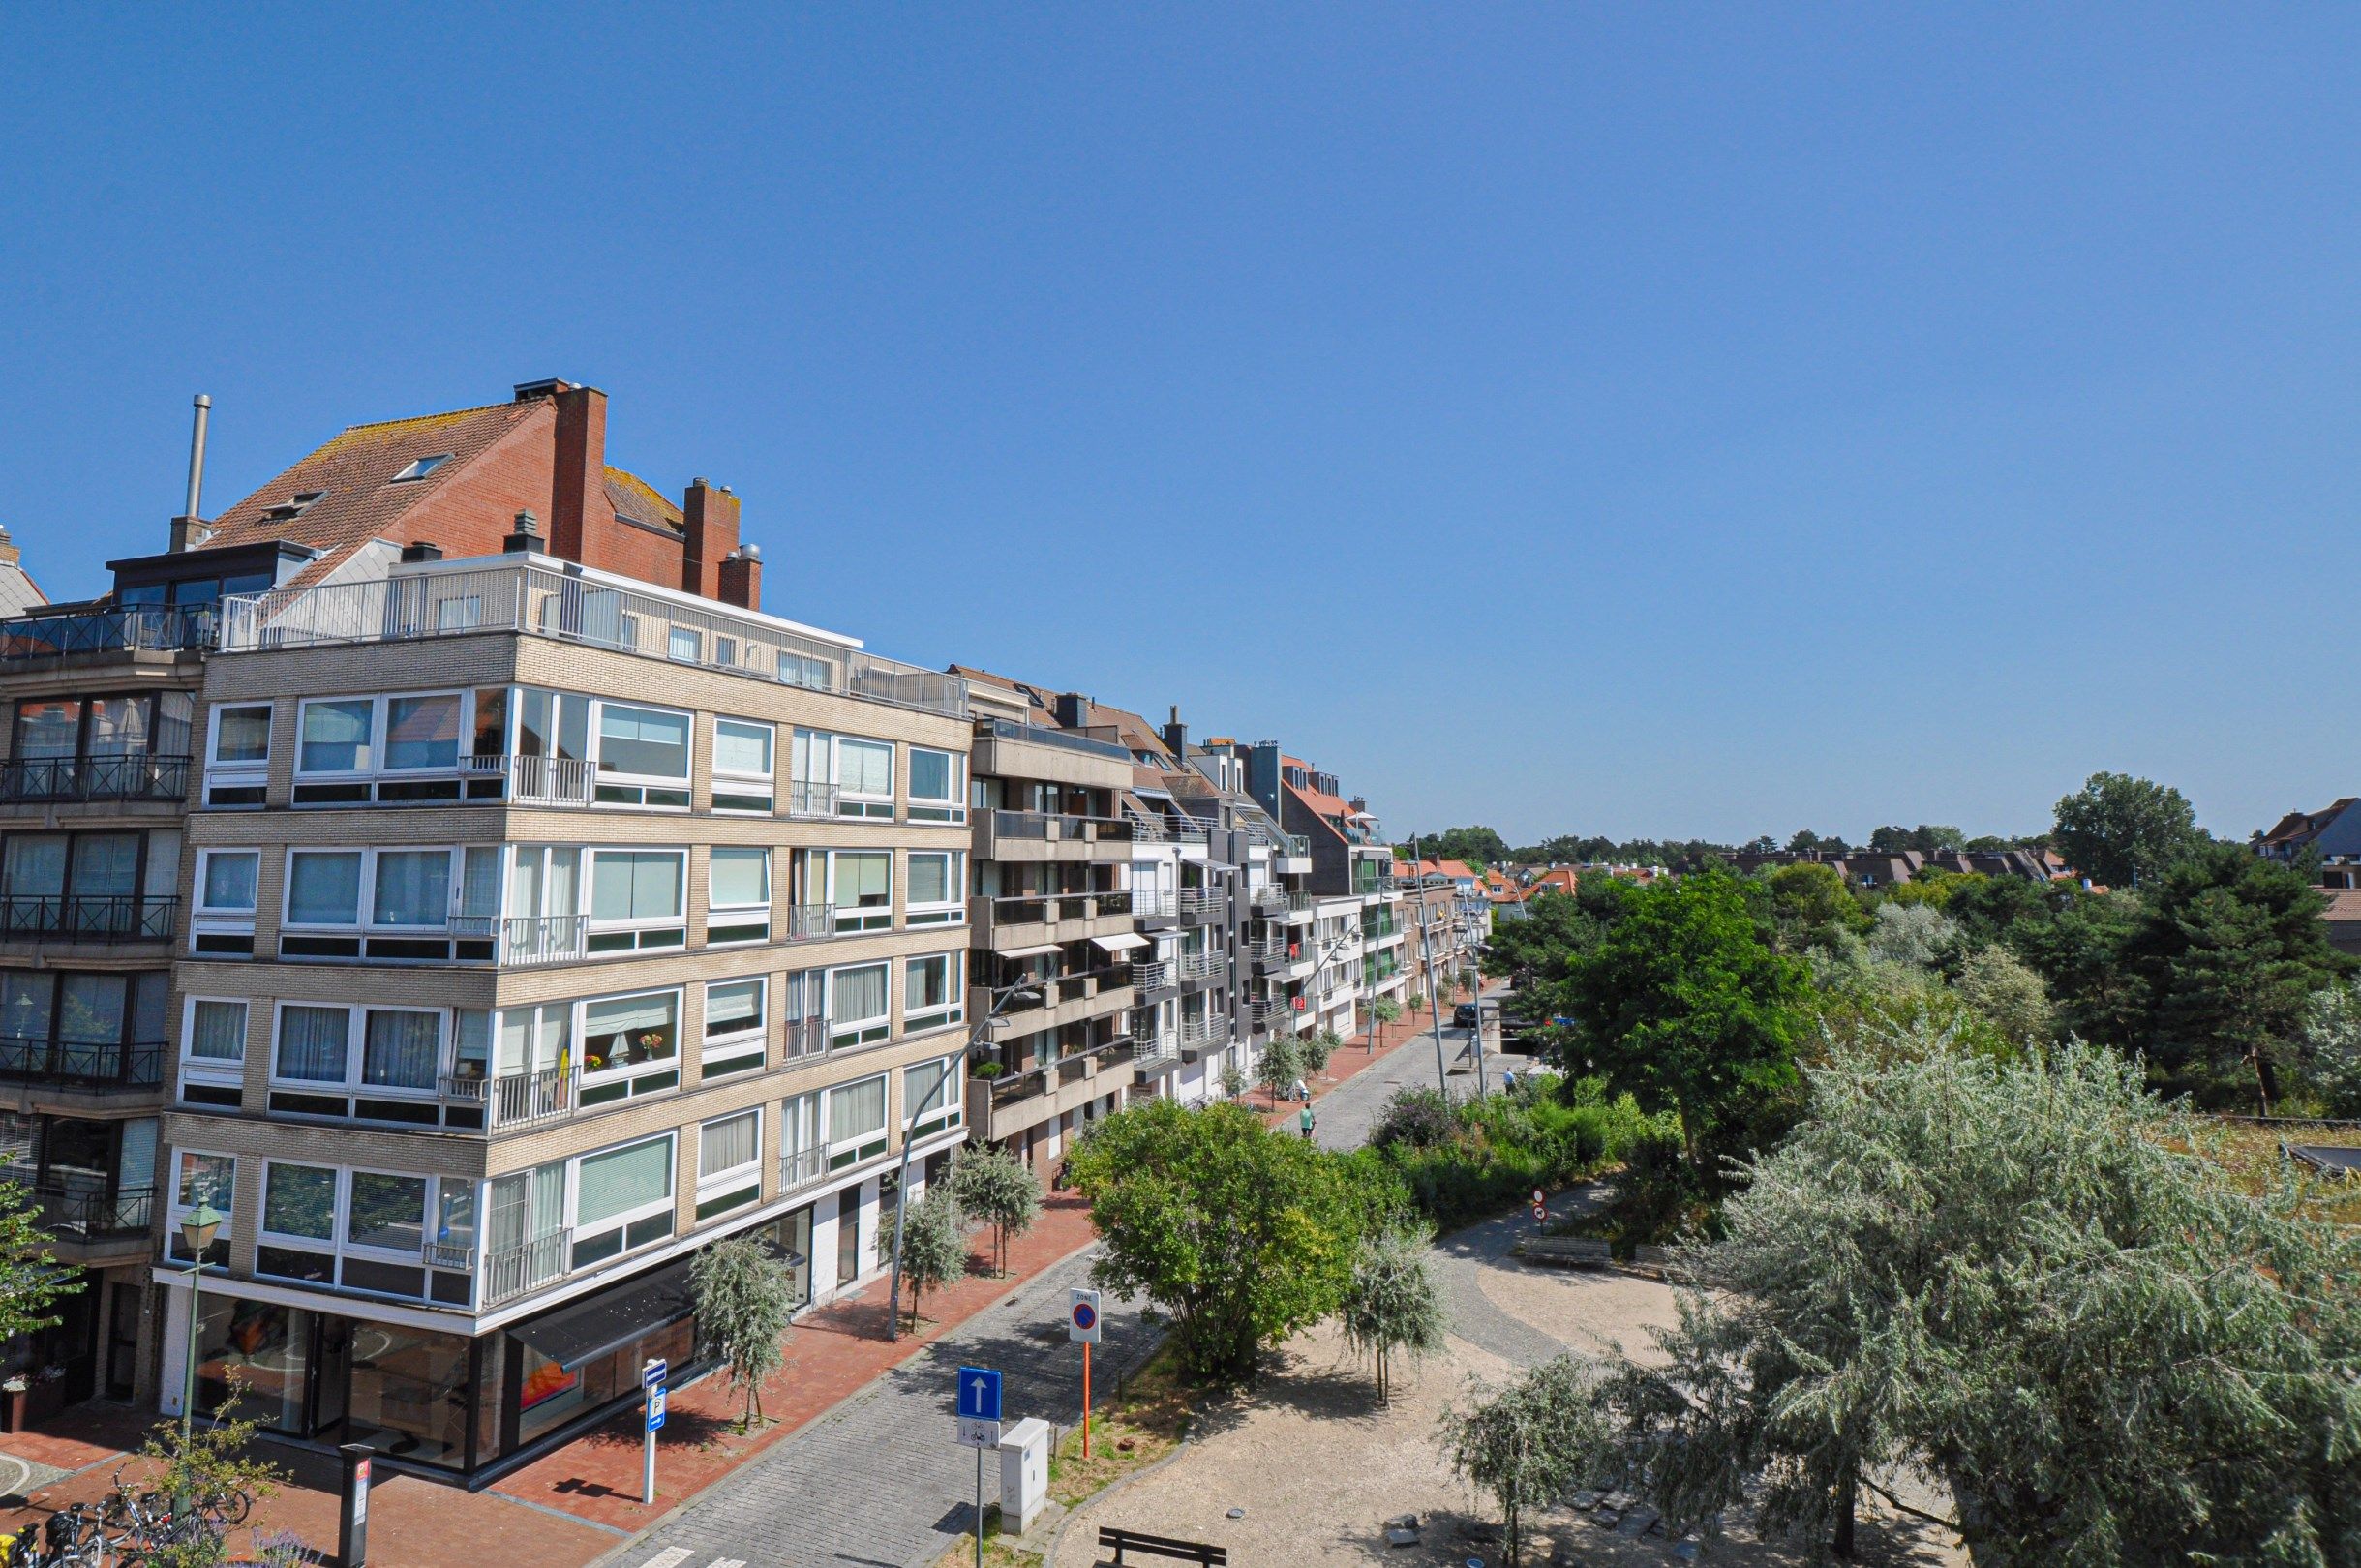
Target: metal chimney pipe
x=196 y=457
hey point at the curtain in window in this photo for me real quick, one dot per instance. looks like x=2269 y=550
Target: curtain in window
x=857 y=995
x=929 y=774
x=800 y=1123
x=807 y=757
x=33 y=866
x=324 y=889
x=119 y=726
x=729 y=1143
x=923 y=1092
x=311 y=1043
x=630 y=885
x=50 y=729
x=230 y=882
x=413 y=888
x=863 y=878
x=643 y=741
x=106 y=865
x=732 y=1009
x=422 y=731
x=865 y=766
x=217 y=1032
x=335 y=738
x=926 y=984
x=930 y=879
x=300 y=1201
x=741 y=878
x=136 y=1165
x=175 y=711
x=856 y=1110
x=398 y=1049
x=620 y=1180
x=741 y=749
x=480 y=881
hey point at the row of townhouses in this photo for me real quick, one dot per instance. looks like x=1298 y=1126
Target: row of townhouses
x=439 y=866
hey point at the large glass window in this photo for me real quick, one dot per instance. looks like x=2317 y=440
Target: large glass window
x=935 y=888
x=335 y=737
x=413 y=888
x=225 y=882
x=857 y=1004
x=241 y=734
x=642 y=756
x=864 y=777
x=622 y=1198
x=734 y=1025
x=630 y=1045
x=931 y=991
x=857 y=1112
x=738 y=896
x=638 y=899
x=729 y=1163
x=936 y=785
x=742 y=765
x=860 y=887
x=388 y=1213
x=299 y=1201
x=422 y=731
x=323 y=888
x=931 y=1096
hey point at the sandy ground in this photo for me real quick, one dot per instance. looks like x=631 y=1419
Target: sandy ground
x=1318 y=1467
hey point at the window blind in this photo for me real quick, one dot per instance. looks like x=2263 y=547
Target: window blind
x=311 y=1043
x=856 y=1110
x=741 y=749
x=728 y=1143
x=741 y=878
x=620 y=1180
x=857 y=995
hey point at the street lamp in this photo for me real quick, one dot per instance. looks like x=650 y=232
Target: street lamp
x=197 y=1233
x=901 y=1172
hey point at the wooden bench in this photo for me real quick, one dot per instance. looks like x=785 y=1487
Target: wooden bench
x=1118 y=1541
x=1565 y=1251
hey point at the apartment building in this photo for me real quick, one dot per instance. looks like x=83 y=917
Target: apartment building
x=1055 y=942
x=550 y=912
x=1356 y=902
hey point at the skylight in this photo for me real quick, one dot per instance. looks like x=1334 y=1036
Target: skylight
x=420 y=468
x=293 y=505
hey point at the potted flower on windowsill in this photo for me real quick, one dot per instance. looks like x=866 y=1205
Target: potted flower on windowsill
x=987 y=1069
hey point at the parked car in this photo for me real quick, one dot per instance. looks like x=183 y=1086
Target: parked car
x=1463 y=1016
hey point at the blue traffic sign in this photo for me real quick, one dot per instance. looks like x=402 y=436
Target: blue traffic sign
x=978 y=1394
x=655 y=1408
x=652 y=1374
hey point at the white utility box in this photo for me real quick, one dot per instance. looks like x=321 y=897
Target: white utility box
x=1024 y=1474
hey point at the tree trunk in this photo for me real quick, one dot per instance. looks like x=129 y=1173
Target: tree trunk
x=1848 y=1496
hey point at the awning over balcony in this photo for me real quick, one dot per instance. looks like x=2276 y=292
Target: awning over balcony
x=1122 y=942
x=1035 y=950
x=585 y=1329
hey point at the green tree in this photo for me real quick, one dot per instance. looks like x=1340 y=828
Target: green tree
x=1530 y=1443
x=2119 y=831
x=1478 y=846
x=746 y=1302
x=1996 y=983
x=1316 y=1048
x=1233 y=1080
x=934 y=1245
x=1806 y=840
x=213 y=1470
x=1392 y=1304
x=2332 y=1049
x=1385 y=1010
x=1681 y=1005
x=1280 y=1065
x=30 y=1280
x=1240 y=1235
x=2025 y=1279
x=995 y=1187
x=1555 y=930
x=1919 y=936
x=1928 y=838
x=1811 y=907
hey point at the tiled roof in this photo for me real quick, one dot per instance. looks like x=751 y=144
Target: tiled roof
x=353 y=472
x=2344 y=903
x=635 y=499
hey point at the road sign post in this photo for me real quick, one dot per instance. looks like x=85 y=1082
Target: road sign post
x=651 y=1383
x=1082 y=1327
x=978 y=1401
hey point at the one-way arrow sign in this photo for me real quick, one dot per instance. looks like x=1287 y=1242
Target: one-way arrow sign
x=978 y=1394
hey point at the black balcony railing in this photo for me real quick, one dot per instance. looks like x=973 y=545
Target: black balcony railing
x=87 y=917
x=150 y=628
x=82 y=1064
x=133 y=777
x=95 y=1214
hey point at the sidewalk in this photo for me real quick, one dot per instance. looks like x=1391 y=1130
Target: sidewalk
x=569 y=1506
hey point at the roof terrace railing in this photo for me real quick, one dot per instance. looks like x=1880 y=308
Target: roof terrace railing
x=141 y=628
x=545 y=601
x=1001 y=729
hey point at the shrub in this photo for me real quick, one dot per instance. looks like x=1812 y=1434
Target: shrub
x=1417 y=1116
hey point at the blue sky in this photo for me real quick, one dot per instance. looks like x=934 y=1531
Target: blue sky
x=1635 y=420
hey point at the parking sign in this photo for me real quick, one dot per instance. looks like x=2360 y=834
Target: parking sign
x=1082 y=1316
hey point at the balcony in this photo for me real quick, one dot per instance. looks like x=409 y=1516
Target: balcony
x=90 y=1223
x=1201 y=905
x=126 y=629
x=1198 y=1035
x=1008 y=1105
x=799 y=1167
x=86 y=918
x=811 y=802
x=530 y=781
x=60 y=780
x=135 y=1068
x=527 y=940
x=537 y=598
x=1159 y=906
x=1070 y=999
x=510 y=1272
x=516 y=1098
x=1030 y=919
x=1044 y=835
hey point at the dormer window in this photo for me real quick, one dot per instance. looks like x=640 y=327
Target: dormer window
x=293 y=506
x=419 y=469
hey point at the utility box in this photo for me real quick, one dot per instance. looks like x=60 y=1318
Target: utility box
x=1024 y=1474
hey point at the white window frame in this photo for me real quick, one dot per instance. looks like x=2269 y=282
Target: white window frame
x=624 y=1220
x=212 y=1068
x=843 y=917
x=952 y=808
x=727 y=925
x=380 y=709
x=806 y=1161
x=741 y=1047
x=252 y=773
x=737 y=1186
x=339 y=1246
x=844 y=1148
x=180 y=1209
x=365 y=898
x=740 y=788
x=647 y=933
x=877 y=808
x=951 y=1012
x=631 y=790
x=949 y=1112
x=861 y=1031
x=950 y=912
x=356 y=1053
x=631 y=1072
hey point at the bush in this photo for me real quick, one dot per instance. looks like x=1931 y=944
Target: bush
x=1417 y=1116
x=1475 y=1159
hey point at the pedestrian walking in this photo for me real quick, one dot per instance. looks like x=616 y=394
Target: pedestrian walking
x=1307 y=1119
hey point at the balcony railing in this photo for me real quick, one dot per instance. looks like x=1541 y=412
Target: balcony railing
x=808 y=923
x=1201 y=901
x=1059 y=827
x=1198 y=1034
x=75 y=1065
x=132 y=776
x=1154 y=903
x=1268 y=898
x=797 y=1166
x=544 y=781
x=87 y=917
x=539 y=599
x=518 y=1099
x=152 y=628
x=808 y=798
x=524 y=941
x=1064 y=739
x=95 y=1214
x=510 y=1272
x=1189 y=966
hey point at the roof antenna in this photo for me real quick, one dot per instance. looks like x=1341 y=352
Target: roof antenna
x=196 y=457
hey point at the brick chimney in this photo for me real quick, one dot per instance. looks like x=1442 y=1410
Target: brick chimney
x=708 y=536
x=579 y=468
x=1177 y=734
x=740 y=576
